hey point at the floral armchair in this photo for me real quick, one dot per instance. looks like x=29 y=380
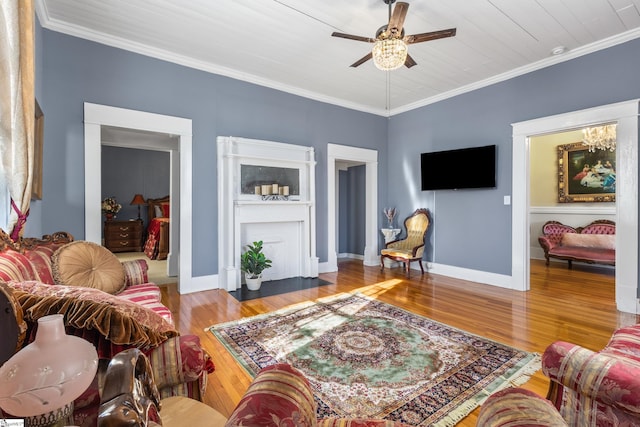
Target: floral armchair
x=587 y=388
x=411 y=247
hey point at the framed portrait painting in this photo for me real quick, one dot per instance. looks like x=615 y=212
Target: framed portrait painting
x=585 y=176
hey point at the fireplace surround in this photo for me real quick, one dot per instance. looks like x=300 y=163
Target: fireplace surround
x=284 y=222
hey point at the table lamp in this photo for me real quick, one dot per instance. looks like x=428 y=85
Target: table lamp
x=138 y=200
x=45 y=377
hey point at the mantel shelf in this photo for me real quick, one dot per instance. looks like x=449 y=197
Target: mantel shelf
x=273 y=159
x=272 y=202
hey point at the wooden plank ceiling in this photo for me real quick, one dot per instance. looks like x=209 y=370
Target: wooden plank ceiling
x=287 y=44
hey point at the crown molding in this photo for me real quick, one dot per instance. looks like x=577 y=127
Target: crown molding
x=84 y=33
x=547 y=62
x=81 y=32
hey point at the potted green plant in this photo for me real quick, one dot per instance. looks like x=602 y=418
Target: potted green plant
x=253 y=262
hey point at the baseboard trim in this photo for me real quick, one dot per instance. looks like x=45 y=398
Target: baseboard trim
x=484 y=277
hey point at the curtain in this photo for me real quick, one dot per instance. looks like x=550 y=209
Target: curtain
x=17 y=106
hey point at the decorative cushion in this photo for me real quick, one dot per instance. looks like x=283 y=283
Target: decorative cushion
x=16 y=266
x=165 y=210
x=604 y=241
x=157 y=211
x=88 y=265
x=144 y=292
x=398 y=253
x=121 y=321
x=135 y=272
x=41 y=263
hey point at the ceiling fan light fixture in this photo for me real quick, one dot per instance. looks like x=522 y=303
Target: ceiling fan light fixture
x=389 y=54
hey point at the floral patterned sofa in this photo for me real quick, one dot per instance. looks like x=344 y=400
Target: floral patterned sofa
x=108 y=303
x=586 y=388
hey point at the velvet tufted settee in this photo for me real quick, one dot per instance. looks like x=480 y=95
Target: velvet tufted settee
x=108 y=303
x=587 y=388
x=593 y=243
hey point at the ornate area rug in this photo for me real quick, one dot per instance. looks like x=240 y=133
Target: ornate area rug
x=368 y=359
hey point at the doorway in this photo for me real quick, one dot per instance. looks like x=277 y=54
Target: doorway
x=98 y=116
x=342 y=153
x=350 y=205
x=142 y=147
x=625 y=114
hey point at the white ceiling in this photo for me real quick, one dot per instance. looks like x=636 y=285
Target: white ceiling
x=287 y=44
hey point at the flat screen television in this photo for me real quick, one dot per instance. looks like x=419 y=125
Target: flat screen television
x=473 y=167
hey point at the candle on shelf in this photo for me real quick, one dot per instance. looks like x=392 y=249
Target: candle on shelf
x=257 y=190
x=285 y=190
x=281 y=191
x=266 y=190
x=274 y=189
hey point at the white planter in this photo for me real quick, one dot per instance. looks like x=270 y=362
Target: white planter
x=253 y=284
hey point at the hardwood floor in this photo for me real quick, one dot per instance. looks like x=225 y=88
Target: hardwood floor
x=575 y=305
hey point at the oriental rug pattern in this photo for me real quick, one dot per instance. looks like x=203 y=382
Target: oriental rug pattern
x=368 y=359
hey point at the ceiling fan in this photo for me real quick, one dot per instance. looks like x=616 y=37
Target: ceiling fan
x=390 y=44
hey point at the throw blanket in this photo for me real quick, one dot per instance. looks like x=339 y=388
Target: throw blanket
x=153 y=237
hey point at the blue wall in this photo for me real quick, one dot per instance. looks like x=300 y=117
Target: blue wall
x=75 y=71
x=128 y=171
x=472 y=228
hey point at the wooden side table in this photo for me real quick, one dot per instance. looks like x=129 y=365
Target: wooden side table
x=123 y=236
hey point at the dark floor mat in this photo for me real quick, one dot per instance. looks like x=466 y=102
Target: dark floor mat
x=277 y=287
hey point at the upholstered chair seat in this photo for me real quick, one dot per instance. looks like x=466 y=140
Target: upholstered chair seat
x=411 y=247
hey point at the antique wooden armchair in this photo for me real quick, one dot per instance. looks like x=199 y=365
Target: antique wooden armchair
x=411 y=247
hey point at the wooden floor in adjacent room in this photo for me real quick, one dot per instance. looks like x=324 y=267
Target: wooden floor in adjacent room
x=575 y=305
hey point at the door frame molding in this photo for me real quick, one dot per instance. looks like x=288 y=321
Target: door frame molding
x=96 y=116
x=626 y=116
x=369 y=157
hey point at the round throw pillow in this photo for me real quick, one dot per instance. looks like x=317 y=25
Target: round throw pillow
x=88 y=265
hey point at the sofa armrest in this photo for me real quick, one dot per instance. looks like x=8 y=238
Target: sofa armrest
x=179 y=360
x=278 y=395
x=605 y=378
x=135 y=272
x=547 y=243
x=515 y=407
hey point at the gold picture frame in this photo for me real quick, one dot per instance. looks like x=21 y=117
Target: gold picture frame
x=38 y=141
x=585 y=176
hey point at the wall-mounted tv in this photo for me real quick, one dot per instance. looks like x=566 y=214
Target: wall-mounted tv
x=473 y=167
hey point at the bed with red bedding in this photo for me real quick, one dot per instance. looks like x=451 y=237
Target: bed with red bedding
x=156 y=245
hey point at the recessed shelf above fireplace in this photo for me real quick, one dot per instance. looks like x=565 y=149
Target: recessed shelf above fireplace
x=252 y=176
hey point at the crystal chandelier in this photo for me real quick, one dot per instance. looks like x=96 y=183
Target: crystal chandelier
x=389 y=54
x=600 y=137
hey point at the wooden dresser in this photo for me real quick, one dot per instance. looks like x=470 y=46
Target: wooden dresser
x=123 y=236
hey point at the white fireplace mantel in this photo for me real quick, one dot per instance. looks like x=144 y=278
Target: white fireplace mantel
x=287 y=227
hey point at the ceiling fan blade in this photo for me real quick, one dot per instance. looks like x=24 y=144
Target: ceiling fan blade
x=433 y=35
x=362 y=60
x=409 y=62
x=352 y=37
x=397 y=19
